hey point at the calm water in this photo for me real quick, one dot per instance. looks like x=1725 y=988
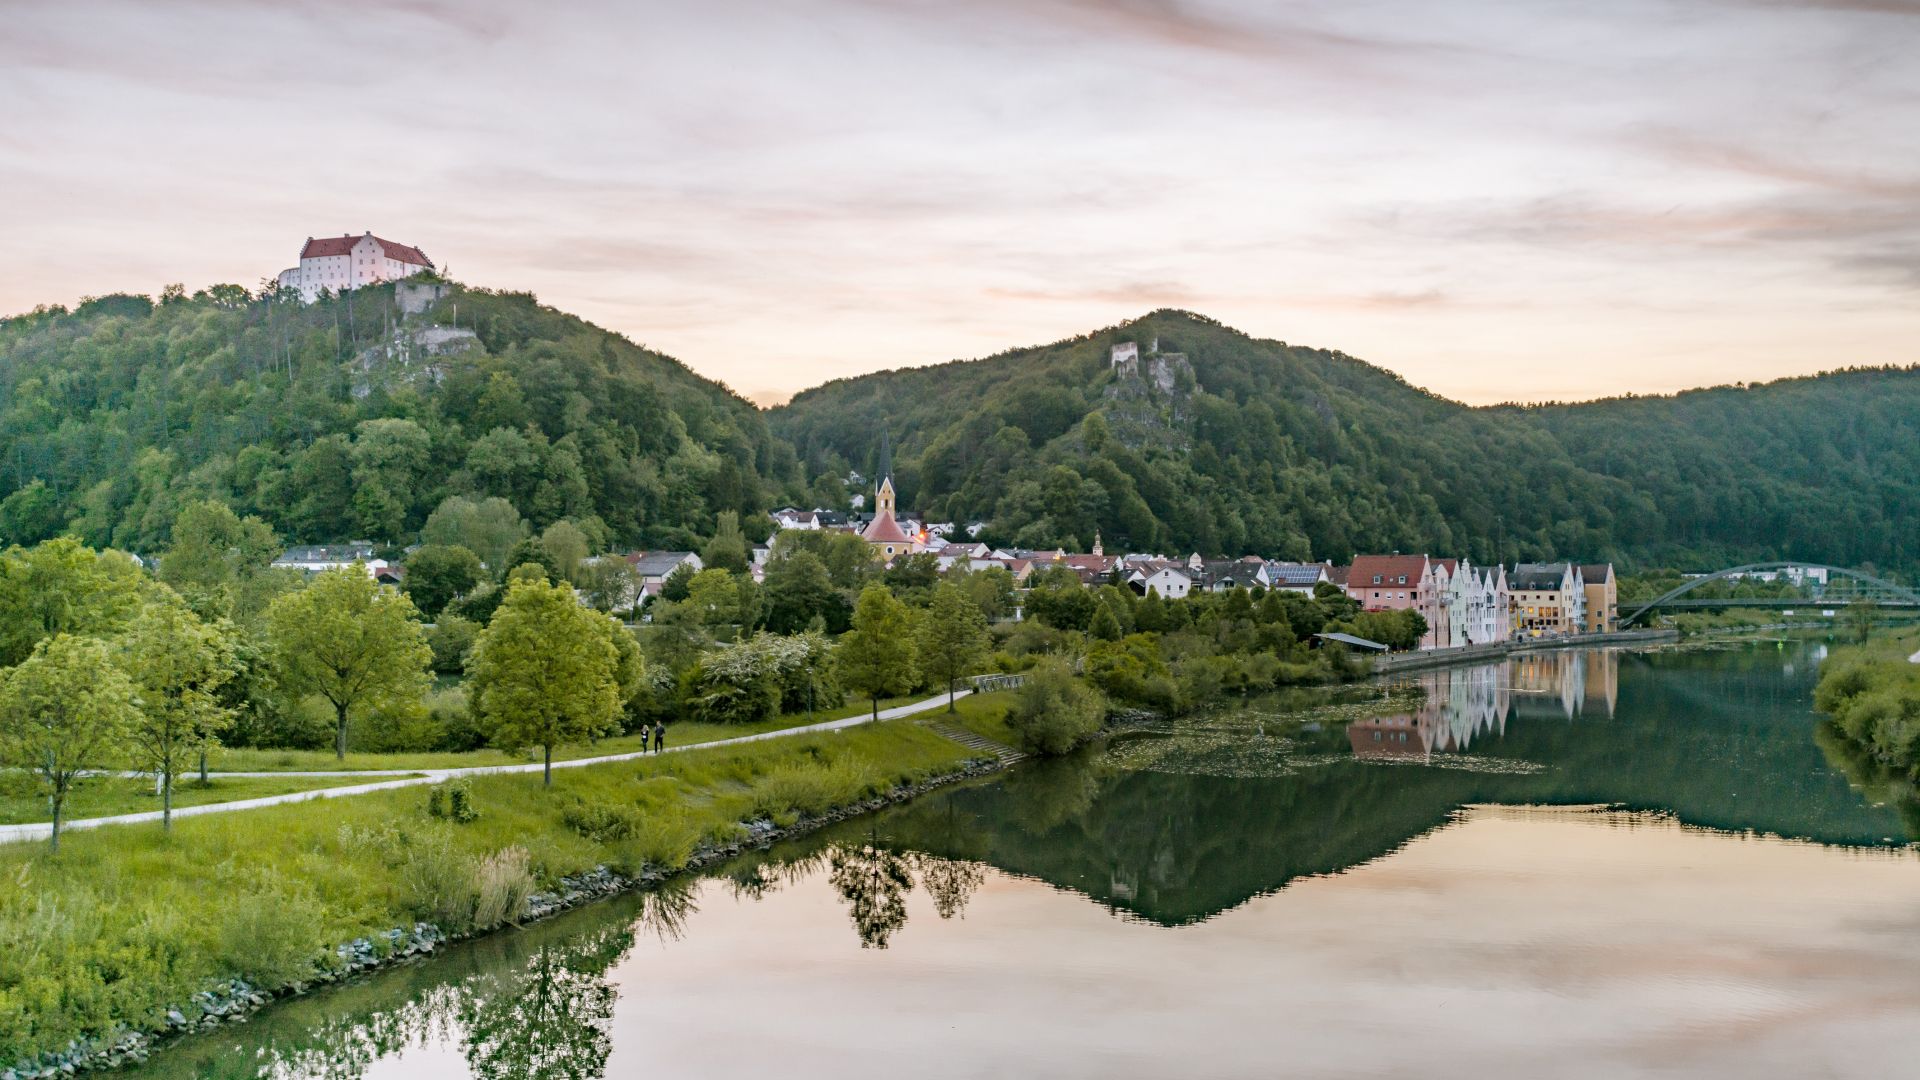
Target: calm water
x=1594 y=863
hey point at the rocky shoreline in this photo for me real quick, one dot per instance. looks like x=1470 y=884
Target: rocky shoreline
x=234 y=1001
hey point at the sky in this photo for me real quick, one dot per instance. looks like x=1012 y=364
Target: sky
x=1497 y=199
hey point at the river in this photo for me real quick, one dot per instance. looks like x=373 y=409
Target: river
x=1588 y=863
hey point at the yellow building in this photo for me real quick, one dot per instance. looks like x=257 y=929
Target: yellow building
x=884 y=531
x=1602 y=597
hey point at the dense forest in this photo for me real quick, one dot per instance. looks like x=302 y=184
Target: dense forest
x=346 y=419
x=1224 y=443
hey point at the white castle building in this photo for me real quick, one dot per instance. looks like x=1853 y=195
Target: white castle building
x=348 y=262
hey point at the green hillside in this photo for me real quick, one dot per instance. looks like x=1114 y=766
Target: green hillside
x=1260 y=446
x=342 y=419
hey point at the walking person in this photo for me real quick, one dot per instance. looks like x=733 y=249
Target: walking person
x=659 y=736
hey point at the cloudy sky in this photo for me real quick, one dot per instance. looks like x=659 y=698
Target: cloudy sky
x=1499 y=199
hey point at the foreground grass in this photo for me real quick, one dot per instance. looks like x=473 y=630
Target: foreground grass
x=680 y=733
x=126 y=922
x=107 y=796
x=986 y=715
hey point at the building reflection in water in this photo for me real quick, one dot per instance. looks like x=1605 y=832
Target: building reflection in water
x=1469 y=703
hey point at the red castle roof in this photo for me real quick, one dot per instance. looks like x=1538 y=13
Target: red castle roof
x=323 y=247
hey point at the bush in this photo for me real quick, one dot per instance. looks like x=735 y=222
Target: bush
x=458 y=893
x=602 y=823
x=453 y=801
x=451 y=639
x=812 y=789
x=1053 y=712
x=268 y=938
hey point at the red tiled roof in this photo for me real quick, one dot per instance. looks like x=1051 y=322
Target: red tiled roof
x=326 y=246
x=1389 y=567
x=885 y=530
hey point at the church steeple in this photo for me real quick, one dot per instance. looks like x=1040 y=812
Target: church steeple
x=886 y=459
x=883 y=498
x=1096 y=543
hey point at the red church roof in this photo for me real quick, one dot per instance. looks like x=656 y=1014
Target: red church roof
x=885 y=530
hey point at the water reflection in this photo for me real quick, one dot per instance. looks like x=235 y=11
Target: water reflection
x=1722 y=740
x=1460 y=705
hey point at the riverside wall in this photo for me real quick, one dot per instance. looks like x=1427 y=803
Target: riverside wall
x=1395 y=663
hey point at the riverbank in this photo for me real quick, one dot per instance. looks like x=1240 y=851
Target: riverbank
x=128 y=936
x=1871 y=696
x=1395 y=663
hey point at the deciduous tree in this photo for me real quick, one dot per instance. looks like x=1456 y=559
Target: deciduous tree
x=64 y=710
x=876 y=657
x=179 y=665
x=546 y=671
x=953 y=637
x=350 y=641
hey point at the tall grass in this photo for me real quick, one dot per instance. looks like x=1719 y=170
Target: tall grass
x=126 y=922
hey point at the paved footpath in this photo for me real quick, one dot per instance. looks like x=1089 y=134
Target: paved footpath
x=399 y=778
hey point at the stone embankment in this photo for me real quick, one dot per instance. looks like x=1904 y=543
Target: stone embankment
x=235 y=1000
x=1395 y=663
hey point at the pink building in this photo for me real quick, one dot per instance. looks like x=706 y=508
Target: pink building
x=337 y=264
x=1396 y=583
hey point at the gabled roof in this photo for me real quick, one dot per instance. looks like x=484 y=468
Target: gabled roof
x=658 y=563
x=885 y=530
x=1390 y=568
x=1538 y=577
x=1295 y=574
x=1596 y=573
x=325 y=246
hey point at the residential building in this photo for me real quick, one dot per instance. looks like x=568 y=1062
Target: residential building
x=1296 y=577
x=1603 y=598
x=1397 y=583
x=313 y=558
x=1547 y=599
x=653 y=567
x=346 y=262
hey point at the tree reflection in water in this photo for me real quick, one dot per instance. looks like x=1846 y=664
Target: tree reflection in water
x=548 y=1018
x=950 y=882
x=874 y=882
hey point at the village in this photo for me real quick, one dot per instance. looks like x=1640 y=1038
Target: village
x=1462 y=604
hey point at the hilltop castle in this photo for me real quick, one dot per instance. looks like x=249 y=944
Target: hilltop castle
x=337 y=264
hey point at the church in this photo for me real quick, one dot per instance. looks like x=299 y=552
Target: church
x=884 y=533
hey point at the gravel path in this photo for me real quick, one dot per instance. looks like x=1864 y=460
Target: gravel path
x=400 y=778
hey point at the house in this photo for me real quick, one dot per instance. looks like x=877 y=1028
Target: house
x=653 y=567
x=1168 y=580
x=1547 y=599
x=346 y=262
x=1603 y=597
x=1296 y=577
x=788 y=518
x=1397 y=583
x=313 y=558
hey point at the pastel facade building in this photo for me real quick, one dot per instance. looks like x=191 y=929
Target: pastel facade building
x=1548 y=599
x=1603 y=598
x=1396 y=583
x=343 y=263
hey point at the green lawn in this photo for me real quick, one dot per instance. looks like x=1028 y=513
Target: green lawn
x=985 y=714
x=681 y=733
x=126 y=921
x=106 y=796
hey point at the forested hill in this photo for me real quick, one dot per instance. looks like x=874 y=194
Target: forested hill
x=1259 y=446
x=342 y=419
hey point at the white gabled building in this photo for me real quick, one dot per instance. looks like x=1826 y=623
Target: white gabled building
x=337 y=264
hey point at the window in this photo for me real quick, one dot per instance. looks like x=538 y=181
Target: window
x=1376 y=579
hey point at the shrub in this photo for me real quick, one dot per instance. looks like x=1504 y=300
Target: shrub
x=1053 y=712
x=453 y=801
x=450 y=639
x=270 y=936
x=602 y=823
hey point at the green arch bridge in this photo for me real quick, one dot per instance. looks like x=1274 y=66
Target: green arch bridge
x=1843 y=586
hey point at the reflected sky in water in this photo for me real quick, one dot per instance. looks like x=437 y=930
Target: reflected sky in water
x=1645 y=913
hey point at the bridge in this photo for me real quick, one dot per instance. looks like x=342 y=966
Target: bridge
x=1843 y=586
